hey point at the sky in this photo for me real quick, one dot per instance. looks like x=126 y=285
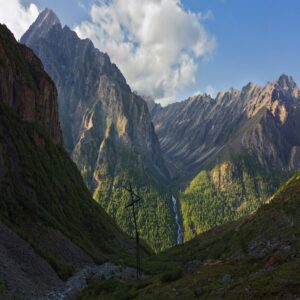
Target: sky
x=171 y=49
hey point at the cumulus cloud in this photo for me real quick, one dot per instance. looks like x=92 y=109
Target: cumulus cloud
x=17 y=17
x=157 y=44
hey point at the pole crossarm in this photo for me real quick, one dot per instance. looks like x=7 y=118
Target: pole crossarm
x=131 y=191
x=133 y=202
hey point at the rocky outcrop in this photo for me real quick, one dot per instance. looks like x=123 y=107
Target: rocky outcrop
x=25 y=87
x=107 y=128
x=153 y=107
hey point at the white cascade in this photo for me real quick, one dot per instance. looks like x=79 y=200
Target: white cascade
x=179 y=229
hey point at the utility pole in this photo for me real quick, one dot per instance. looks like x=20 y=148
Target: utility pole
x=134 y=198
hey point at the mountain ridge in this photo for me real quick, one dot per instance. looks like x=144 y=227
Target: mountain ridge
x=231 y=152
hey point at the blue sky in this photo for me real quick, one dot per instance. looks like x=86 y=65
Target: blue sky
x=257 y=40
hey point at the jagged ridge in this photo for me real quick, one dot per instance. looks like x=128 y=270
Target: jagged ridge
x=231 y=152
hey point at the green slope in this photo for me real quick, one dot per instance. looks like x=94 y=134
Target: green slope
x=42 y=187
x=232 y=189
x=256 y=257
x=154 y=214
x=42 y=195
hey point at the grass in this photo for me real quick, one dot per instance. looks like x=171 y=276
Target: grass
x=63 y=269
x=261 y=256
x=109 y=289
x=171 y=275
x=2 y=285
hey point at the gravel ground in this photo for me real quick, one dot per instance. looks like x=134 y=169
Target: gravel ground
x=78 y=282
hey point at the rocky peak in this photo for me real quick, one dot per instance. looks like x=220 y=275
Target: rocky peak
x=286 y=82
x=45 y=21
x=95 y=101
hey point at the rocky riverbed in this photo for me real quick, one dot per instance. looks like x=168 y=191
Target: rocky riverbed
x=78 y=282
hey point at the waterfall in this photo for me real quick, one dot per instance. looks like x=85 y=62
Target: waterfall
x=179 y=230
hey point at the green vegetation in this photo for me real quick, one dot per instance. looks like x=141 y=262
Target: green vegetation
x=14 y=51
x=171 y=275
x=256 y=257
x=42 y=182
x=154 y=217
x=110 y=289
x=2 y=285
x=227 y=192
x=63 y=269
x=154 y=214
x=118 y=164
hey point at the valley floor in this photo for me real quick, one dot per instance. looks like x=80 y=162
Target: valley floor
x=78 y=282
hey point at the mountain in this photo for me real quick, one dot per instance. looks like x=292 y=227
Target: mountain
x=256 y=257
x=231 y=152
x=50 y=226
x=107 y=129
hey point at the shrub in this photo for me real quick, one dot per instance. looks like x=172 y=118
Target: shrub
x=2 y=284
x=171 y=276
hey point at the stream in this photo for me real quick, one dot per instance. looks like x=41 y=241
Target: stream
x=179 y=229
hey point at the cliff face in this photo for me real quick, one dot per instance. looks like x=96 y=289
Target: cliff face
x=231 y=152
x=49 y=224
x=107 y=128
x=94 y=99
x=26 y=88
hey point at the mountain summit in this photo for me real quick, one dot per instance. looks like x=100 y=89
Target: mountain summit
x=45 y=21
x=106 y=127
x=286 y=82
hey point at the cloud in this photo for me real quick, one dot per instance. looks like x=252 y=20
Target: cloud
x=157 y=44
x=17 y=17
x=210 y=90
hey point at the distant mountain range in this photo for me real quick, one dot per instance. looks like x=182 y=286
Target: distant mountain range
x=107 y=129
x=232 y=152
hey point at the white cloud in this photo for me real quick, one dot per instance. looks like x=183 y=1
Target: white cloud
x=17 y=17
x=157 y=44
x=210 y=90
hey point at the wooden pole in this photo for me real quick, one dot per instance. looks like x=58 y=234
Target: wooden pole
x=137 y=237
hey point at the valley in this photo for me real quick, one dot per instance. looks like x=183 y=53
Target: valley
x=215 y=177
x=223 y=156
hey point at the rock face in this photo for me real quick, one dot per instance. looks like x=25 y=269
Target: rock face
x=96 y=104
x=262 y=120
x=44 y=203
x=107 y=128
x=26 y=88
x=231 y=152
